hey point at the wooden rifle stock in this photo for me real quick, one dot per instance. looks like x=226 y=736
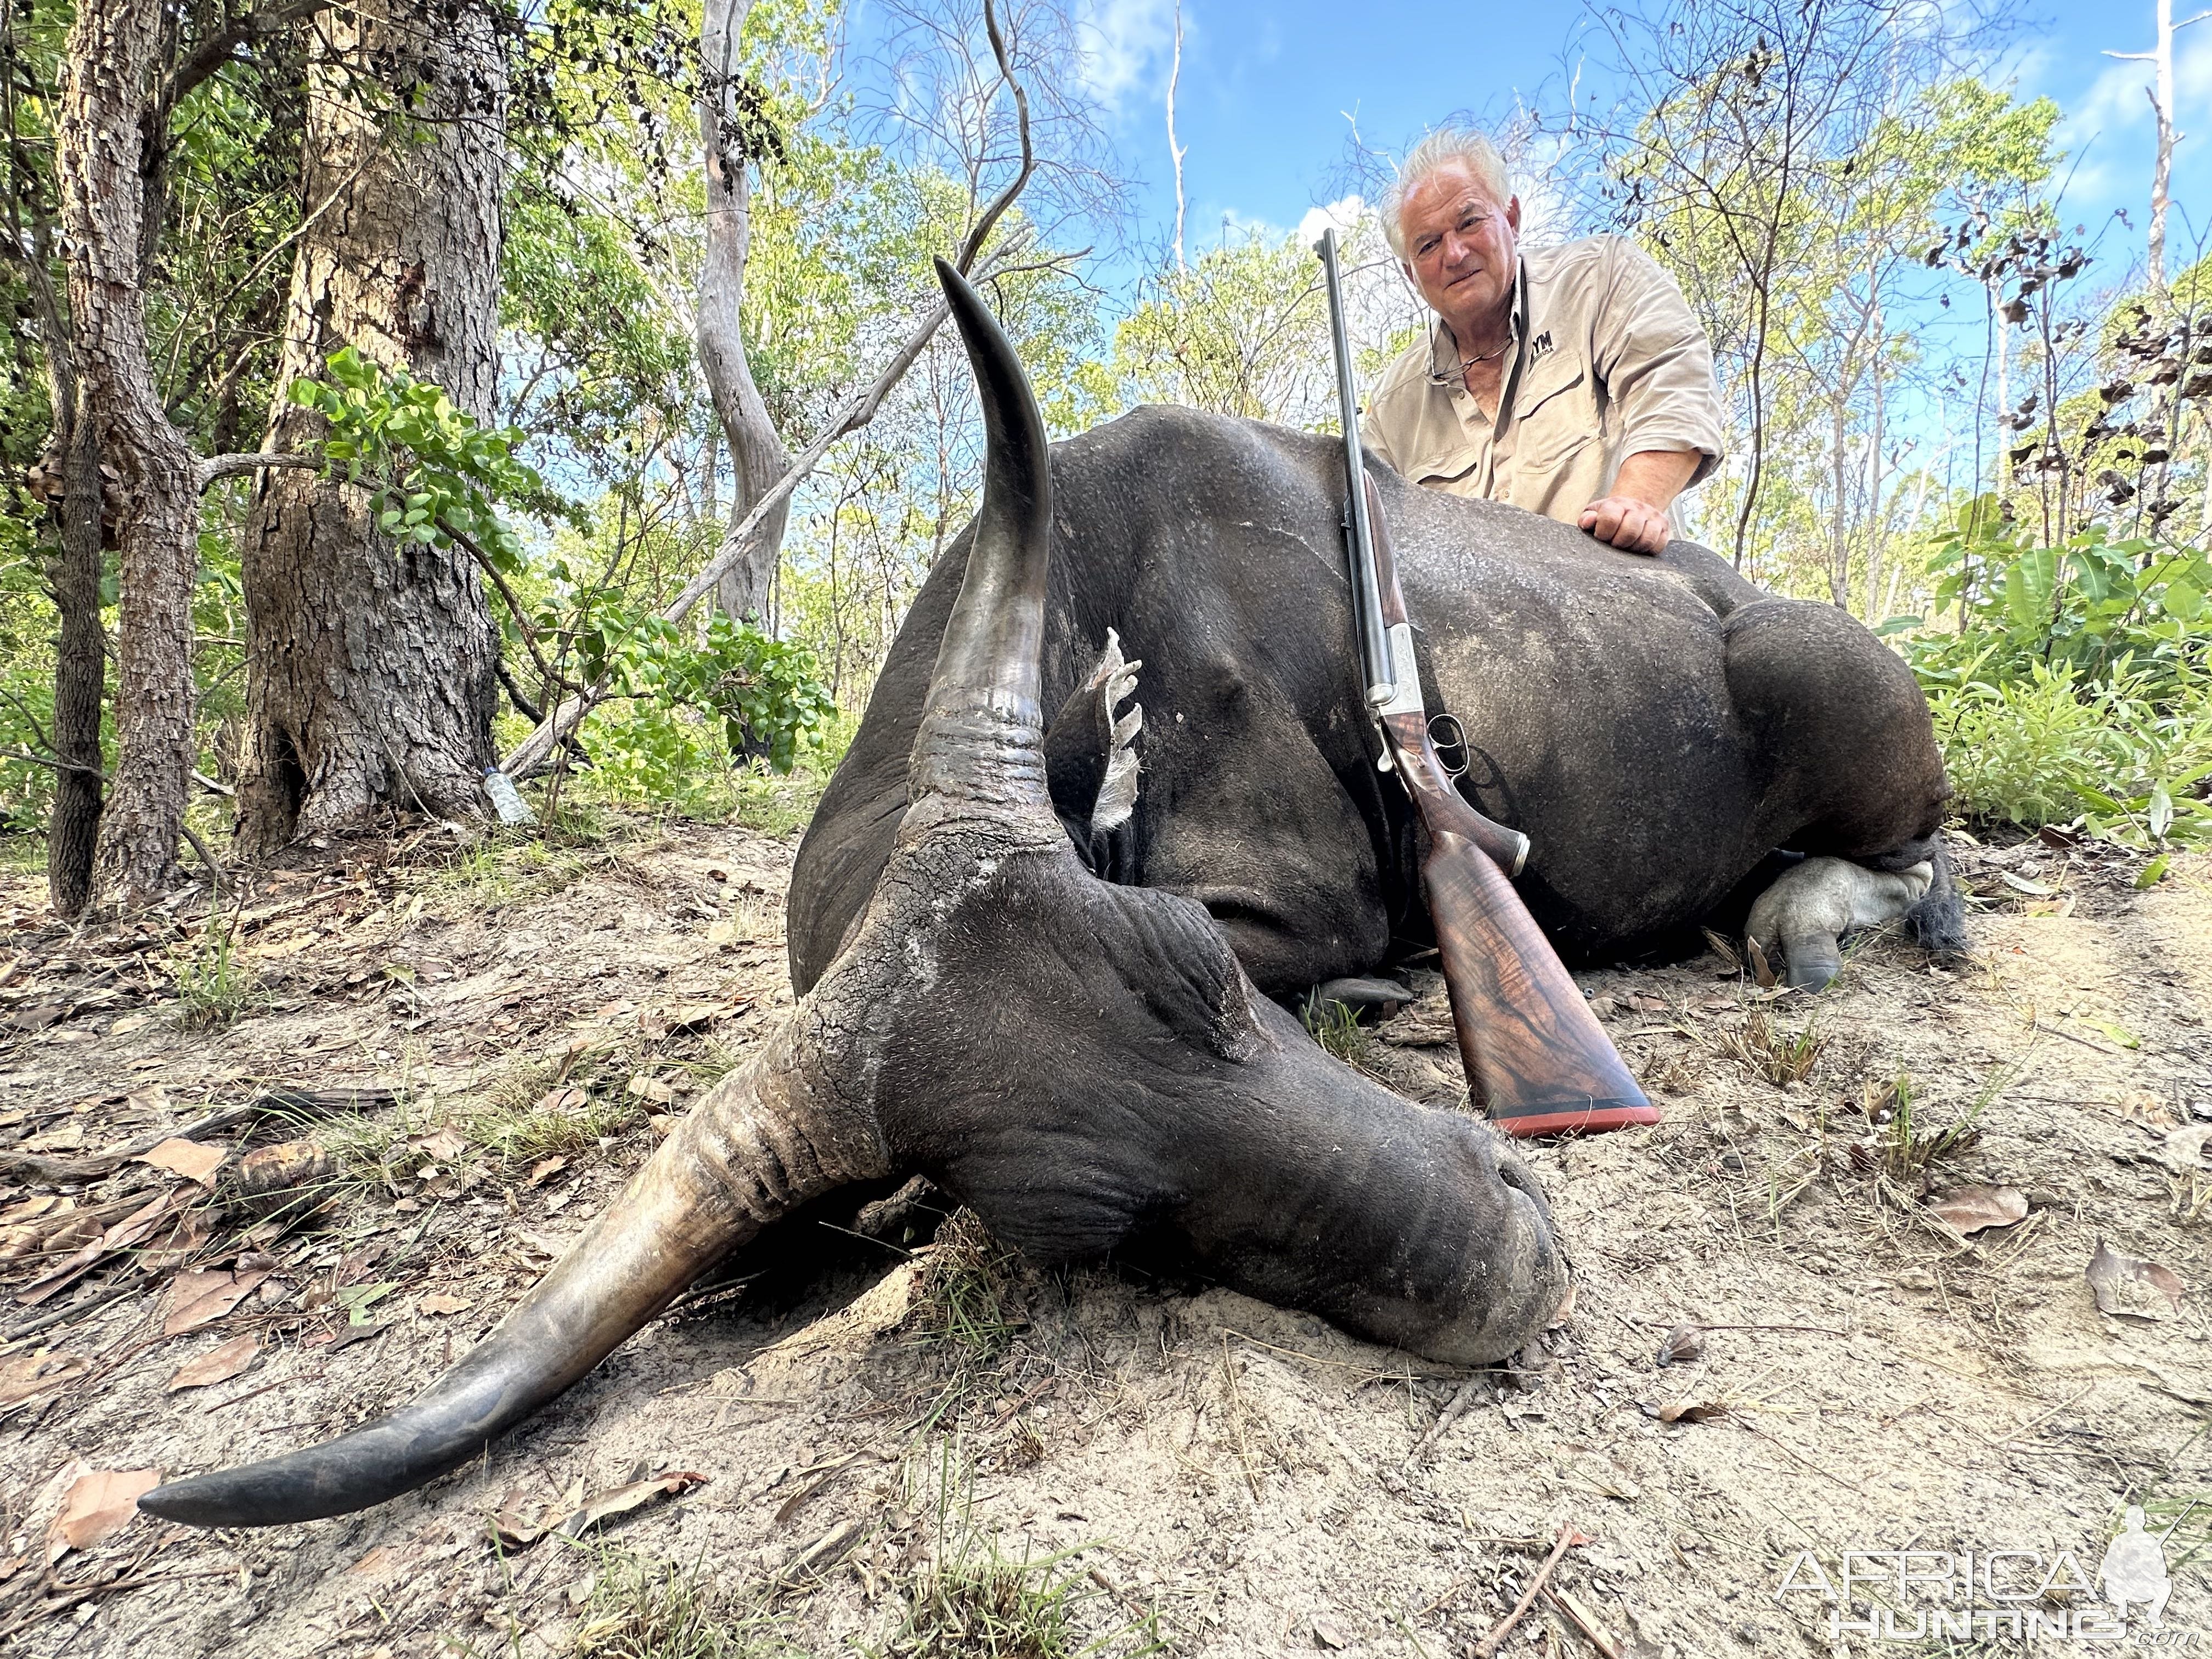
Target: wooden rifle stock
x=1535 y=1056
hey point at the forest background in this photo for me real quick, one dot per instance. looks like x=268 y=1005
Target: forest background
x=392 y=395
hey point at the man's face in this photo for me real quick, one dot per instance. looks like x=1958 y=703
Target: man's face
x=1459 y=250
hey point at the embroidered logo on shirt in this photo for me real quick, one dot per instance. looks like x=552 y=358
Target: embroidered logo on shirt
x=1539 y=345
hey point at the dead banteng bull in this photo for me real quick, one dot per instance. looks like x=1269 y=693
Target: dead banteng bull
x=1085 y=1065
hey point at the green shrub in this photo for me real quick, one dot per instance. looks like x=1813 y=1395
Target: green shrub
x=2075 y=688
x=2050 y=747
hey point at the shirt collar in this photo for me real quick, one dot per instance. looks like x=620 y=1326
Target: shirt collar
x=1444 y=350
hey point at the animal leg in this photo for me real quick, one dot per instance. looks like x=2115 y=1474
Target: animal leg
x=1804 y=915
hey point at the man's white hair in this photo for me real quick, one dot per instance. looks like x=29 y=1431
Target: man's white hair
x=1447 y=147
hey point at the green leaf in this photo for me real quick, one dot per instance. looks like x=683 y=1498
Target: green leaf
x=2154 y=871
x=357 y=1299
x=2029 y=582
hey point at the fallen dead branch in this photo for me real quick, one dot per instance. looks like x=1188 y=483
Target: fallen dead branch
x=1487 y=1648
x=62 y=1597
x=1462 y=1401
x=1584 y=1620
x=276 y=1102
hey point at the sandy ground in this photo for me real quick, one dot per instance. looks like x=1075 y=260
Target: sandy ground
x=876 y=1429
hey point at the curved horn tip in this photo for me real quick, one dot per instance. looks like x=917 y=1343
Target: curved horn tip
x=176 y=1502
x=212 y=1500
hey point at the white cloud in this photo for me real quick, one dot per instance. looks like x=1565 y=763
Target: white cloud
x=1127 y=44
x=1344 y=213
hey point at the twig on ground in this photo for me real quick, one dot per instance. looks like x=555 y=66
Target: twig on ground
x=1785 y=1446
x=2040 y=1419
x=1449 y=1590
x=1487 y=1648
x=72 y=1593
x=1237 y=1417
x=1584 y=1620
x=214 y=869
x=270 y=1102
x=46 y=1321
x=1458 y=1405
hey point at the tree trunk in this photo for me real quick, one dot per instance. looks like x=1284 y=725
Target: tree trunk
x=1839 y=546
x=1877 y=518
x=2161 y=104
x=97 y=158
x=757 y=457
x=80 y=645
x=372 y=669
x=79 y=669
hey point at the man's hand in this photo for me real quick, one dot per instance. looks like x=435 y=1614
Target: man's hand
x=1634 y=517
x=1632 y=526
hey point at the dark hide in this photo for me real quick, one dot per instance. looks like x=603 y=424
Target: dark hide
x=1657 y=726
x=1126 y=1092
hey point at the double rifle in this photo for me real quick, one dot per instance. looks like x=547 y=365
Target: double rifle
x=1535 y=1054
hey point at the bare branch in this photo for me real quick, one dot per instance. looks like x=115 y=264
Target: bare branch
x=535 y=749
x=973 y=244
x=217 y=467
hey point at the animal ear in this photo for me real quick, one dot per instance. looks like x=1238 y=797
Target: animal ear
x=1090 y=755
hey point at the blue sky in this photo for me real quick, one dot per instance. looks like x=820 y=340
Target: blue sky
x=1267 y=89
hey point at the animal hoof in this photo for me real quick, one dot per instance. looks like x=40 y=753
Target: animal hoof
x=1814 y=961
x=1384 y=993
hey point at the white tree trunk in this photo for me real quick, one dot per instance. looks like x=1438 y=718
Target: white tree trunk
x=1877 y=519
x=2161 y=167
x=757 y=457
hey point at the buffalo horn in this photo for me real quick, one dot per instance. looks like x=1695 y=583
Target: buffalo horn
x=758 y=1145
x=981 y=729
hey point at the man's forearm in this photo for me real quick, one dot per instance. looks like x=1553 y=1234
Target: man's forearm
x=1656 y=475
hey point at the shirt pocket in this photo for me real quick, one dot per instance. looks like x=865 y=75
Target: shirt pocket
x=1451 y=473
x=1552 y=415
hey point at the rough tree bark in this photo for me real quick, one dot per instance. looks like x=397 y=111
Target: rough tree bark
x=98 y=153
x=372 y=669
x=757 y=457
x=73 y=573
x=80 y=662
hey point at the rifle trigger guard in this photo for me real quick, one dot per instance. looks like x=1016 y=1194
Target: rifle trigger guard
x=1447 y=746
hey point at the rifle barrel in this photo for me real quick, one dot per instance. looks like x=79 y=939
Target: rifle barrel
x=1366 y=594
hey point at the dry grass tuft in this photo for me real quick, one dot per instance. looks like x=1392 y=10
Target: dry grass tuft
x=1907 y=1150
x=971 y=1597
x=964 y=1297
x=967 y=1310
x=645 y=1609
x=1768 y=1051
x=213 y=981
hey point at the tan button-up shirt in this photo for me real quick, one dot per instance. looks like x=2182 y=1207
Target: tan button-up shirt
x=1607 y=362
